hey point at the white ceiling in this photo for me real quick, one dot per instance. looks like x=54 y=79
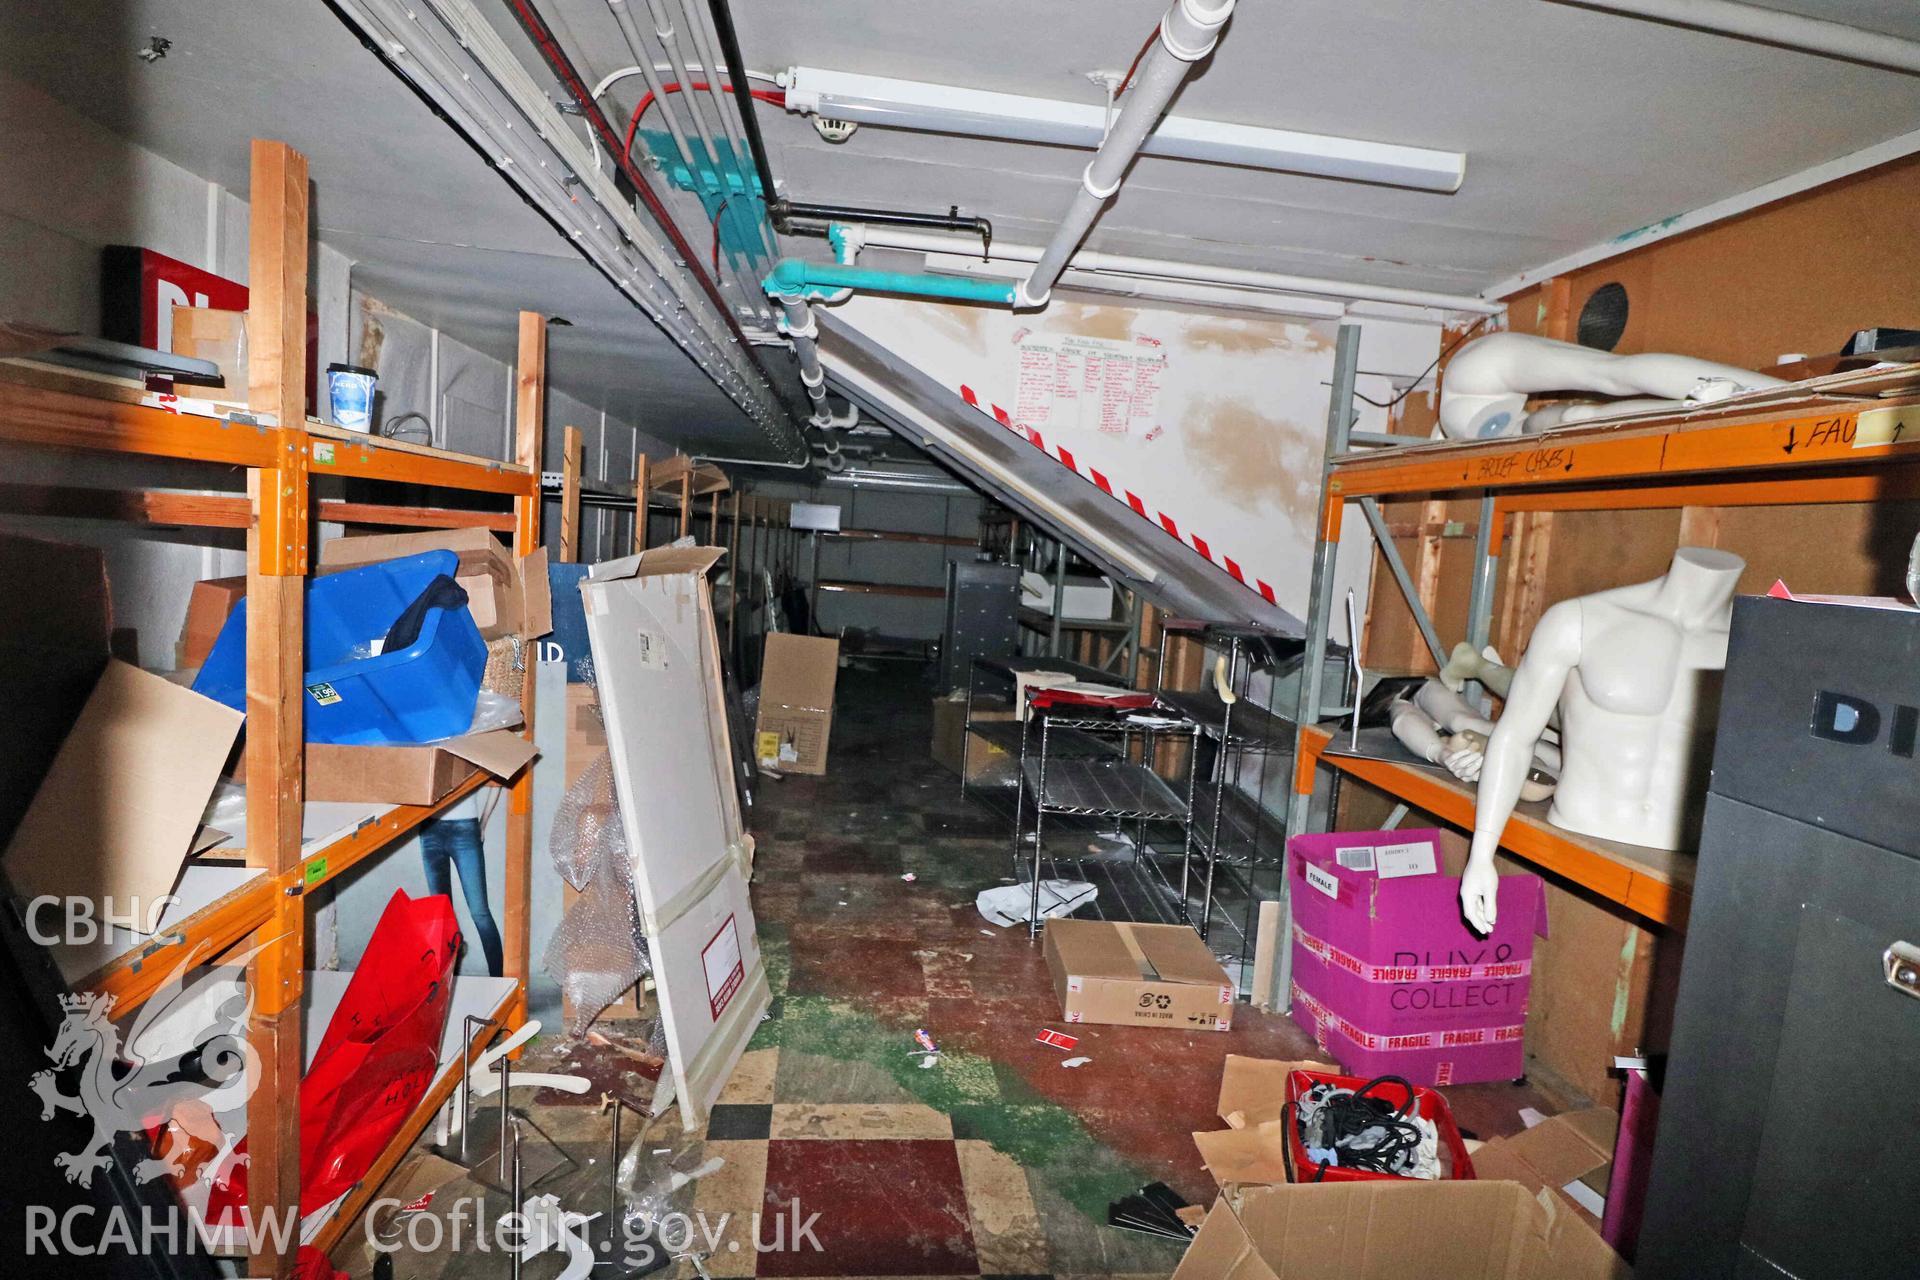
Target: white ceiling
x=1578 y=124
x=432 y=229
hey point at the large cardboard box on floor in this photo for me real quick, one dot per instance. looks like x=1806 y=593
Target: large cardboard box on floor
x=1516 y=1220
x=1139 y=975
x=1398 y=1230
x=969 y=754
x=797 y=678
x=1389 y=979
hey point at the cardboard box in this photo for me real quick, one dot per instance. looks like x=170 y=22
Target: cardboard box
x=1570 y=1155
x=1398 y=1230
x=209 y=333
x=969 y=754
x=505 y=596
x=586 y=731
x=412 y=775
x=208 y=605
x=949 y=731
x=797 y=676
x=1139 y=975
x=1512 y=1222
x=1387 y=976
x=120 y=808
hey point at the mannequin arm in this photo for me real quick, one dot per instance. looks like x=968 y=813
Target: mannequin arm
x=1464 y=664
x=1537 y=683
x=1416 y=731
x=1453 y=713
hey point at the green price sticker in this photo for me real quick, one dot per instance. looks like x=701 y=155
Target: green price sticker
x=316 y=871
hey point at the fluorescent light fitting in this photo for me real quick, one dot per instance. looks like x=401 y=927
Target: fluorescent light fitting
x=939 y=108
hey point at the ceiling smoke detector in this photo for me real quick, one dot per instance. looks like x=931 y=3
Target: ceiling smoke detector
x=834 y=130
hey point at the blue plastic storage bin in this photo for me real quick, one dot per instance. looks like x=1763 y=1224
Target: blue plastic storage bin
x=416 y=694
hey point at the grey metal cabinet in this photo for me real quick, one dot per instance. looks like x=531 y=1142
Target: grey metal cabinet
x=1789 y=1140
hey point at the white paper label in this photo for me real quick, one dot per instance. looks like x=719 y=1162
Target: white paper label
x=649 y=651
x=1396 y=860
x=1325 y=881
x=1355 y=858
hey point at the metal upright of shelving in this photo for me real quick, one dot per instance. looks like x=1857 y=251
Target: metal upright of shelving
x=262 y=905
x=1844 y=438
x=1233 y=830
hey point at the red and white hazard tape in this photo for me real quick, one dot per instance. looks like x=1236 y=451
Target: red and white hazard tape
x=1373 y=1041
x=1398 y=973
x=1132 y=499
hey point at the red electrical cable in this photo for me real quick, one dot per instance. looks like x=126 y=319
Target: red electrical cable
x=1137 y=59
x=775 y=96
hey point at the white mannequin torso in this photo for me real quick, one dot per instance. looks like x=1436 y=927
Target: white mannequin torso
x=1635 y=695
x=1627 y=669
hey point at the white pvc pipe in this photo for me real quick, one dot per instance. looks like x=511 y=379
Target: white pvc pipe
x=630 y=29
x=1187 y=34
x=880 y=237
x=1771 y=26
x=806 y=344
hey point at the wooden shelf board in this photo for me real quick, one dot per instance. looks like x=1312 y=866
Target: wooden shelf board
x=706 y=478
x=222 y=900
x=1810 y=432
x=1654 y=883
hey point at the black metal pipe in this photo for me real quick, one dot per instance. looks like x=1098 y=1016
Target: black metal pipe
x=743 y=96
x=781 y=211
x=952 y=220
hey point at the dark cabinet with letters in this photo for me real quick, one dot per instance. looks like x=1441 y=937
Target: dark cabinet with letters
x=1790 y=1121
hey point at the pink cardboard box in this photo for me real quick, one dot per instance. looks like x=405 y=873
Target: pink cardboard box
x=1387 y=975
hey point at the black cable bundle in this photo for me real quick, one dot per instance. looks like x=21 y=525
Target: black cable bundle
x=1339 y=1120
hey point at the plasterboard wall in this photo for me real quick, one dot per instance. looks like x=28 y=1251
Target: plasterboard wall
x=1223 y=447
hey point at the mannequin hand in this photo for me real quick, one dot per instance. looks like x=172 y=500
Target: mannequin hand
x=1479 y=895
x=1463 y=761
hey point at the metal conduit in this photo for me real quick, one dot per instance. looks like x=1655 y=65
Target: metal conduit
x=1187 y=34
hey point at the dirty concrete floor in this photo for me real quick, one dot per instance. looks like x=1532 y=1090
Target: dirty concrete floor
x=994 y=1161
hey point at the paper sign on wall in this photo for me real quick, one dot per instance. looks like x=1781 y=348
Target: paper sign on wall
x=1101 y=384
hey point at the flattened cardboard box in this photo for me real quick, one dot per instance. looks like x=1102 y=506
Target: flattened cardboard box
x=120 y=808
x=505 y=596
x=1138 y=975
x=797 y=679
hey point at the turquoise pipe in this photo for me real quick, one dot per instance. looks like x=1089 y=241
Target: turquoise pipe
x=791 y=276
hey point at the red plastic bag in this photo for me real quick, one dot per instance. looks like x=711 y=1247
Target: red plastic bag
x=378 y=1054
x=381 y=1049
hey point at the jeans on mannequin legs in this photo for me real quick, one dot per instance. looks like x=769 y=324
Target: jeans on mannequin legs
x=449 y=844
